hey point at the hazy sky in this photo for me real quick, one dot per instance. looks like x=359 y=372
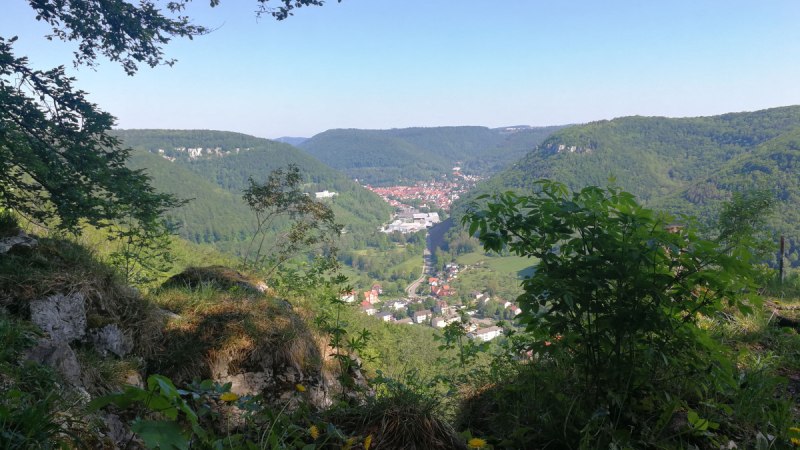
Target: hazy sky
x=400 y=63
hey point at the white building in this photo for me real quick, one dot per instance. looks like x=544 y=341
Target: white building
x=421 y=316
x=325 y=194
x=487 y=334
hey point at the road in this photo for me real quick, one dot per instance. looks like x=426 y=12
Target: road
x=427 y=268
x=433 y=239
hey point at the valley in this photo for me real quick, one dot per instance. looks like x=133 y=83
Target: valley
x=522 y=225
x=649 y=156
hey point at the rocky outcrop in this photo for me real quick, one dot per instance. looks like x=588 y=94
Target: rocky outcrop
x=117 y=432
x=110 y=339
x=17 y=244
x=60 y=357
x=62 y=317
x=277 y=382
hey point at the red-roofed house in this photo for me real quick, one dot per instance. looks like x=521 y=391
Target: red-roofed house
x=368 y=308
x=371 y=296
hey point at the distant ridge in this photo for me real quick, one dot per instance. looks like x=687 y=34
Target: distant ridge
x=213 y=168
x=405 y=155
x=683 y=165
x=292 y=140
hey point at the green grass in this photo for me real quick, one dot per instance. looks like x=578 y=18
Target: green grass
x=9 y=226
x=502 y=264
x=413 y=265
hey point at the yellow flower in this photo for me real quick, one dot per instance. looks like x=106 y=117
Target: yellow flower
x=795 y=429
x=367 y=442
x=349 y=443
x=229 y=397
x=795 y=442
x=313 y=432
x=300 y=387
x=476 y=443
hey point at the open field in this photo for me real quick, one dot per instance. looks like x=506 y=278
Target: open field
x=504 y=264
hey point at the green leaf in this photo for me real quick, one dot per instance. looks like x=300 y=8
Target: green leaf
x=160 y=434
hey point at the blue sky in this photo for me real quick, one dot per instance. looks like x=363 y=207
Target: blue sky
x=400 y=63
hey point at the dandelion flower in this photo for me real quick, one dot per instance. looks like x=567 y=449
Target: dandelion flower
x=367 y=442
x=229 y=397
x=349 y=443
x=795 y=442
x=476 y=443
x=299 y=387
x=795 y=429
x=313 y=431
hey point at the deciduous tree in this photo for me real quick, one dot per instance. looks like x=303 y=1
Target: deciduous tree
x=311 y=223
x=57 y=163
x=617 y=289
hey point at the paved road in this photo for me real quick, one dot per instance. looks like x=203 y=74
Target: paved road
x=433 y=239
x=427 y=267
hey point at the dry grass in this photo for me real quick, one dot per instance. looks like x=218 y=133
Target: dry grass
x=102 y=376
x=58 y=266
x=220 y=329
x=219 y=277
x=400 y=418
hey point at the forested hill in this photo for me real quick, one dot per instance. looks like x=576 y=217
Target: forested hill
x=381 y=157
x=683 y=165
x=213 y=168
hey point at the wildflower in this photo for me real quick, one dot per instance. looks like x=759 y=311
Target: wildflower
x=476 y=443
x=299 y=387
x=348 y=444
x=367 y=442
x=794 y=429
x=313 y=431
x=229 y=397
x=795 y=442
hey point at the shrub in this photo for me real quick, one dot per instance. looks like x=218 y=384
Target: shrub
x=8 y=223
x=612 y=308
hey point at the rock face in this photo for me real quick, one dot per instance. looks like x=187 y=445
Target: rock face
x=116 y=430
x=19 y=243
x=59 y=356
x=62 y=317
x=110 y=339
x=276 y=380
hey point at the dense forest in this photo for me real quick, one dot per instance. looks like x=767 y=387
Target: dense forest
x=384 y=157
x=216 y=177
x=686 y=165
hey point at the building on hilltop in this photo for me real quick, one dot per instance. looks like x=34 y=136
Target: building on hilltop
x=325 y=194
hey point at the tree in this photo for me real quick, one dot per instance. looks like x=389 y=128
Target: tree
x=57 y=163
x=618 y=290
x=742 y=223
x=311 y=223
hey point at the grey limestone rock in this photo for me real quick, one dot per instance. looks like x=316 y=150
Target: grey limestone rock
x=110 y=339
x=248 y=383
x=59 y=356
x=117 y=431
x=62 y=317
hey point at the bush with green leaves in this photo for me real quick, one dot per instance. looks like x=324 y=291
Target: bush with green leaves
x=612 y=309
